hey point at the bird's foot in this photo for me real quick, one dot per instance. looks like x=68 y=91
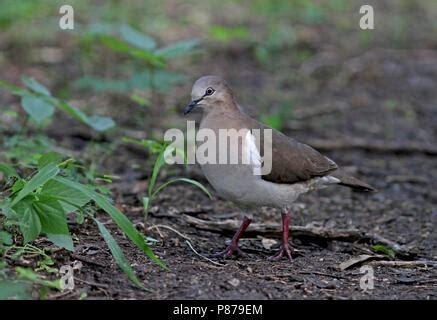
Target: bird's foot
x=232 y=248
x=284 y=251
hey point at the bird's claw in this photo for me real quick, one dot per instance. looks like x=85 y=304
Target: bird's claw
x=284 y=250
x=232 y=248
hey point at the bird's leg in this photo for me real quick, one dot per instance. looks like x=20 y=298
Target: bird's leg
x=233 y=246
x=285 y=249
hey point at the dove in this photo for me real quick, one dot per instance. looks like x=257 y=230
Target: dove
x=295 y=168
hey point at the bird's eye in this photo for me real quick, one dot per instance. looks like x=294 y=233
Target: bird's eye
x=209 y=91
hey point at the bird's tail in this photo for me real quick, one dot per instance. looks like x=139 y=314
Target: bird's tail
x=354 y=183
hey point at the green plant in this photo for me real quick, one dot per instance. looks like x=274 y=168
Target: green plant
x=26 y=150
x=380 y=248
x=151 y=60
x=40 y=204
x=40 y=105
x=161 y=149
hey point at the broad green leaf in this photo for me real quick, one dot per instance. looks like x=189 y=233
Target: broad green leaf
x=51 y=215
x=70 y=198
x=45 y=174
x=18 y=185
x=186 y=180
x=50 y=157
x=15 y=290
x=30 y=224
x=8 y=170
x=137 y=38
x=62 y=241
x=177 y=49
x=118 y=255
x=37 y=108
x=119 y=218
x=35 y=85
x=7 y=211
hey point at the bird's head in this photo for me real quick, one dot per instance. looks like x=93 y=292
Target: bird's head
x=209 y=92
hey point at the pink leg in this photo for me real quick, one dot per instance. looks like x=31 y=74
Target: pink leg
x=233 y=247
x=285 y=249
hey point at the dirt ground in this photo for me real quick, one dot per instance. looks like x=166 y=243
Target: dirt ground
x=373 y=111
x=403 y=211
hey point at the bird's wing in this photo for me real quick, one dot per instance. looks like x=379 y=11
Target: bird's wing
x=292 y=161
x=252 y=154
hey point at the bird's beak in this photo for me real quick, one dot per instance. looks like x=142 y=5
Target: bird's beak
x=191 y=106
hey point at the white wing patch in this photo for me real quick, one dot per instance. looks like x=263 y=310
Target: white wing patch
x=251 y=154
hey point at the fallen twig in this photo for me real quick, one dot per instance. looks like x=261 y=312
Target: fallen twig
x=406 y=264
x=308 y=231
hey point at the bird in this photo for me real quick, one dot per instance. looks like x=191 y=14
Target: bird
x=296 y=168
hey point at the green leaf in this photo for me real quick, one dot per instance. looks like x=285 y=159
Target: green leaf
x=177 y=49
x=384 y=250
x=8 y=170
x=18 y=185
x=119 y=218
x=5 y=238
x=44 y=175
x=152 y=145
x=122 y=47
x=15 y=290
x=51 y=215
x=118 y=255
x=95 y=122
x=35 y=86
x=50 y=157
x=137 y=38
x=159 y=162
x=70 y=198
x=15 y=89
x=99 y=123
x=29 y=274
x=30 y=225
x=37 y=108
x=190 y=181
x=146 y=202
x=62 y=241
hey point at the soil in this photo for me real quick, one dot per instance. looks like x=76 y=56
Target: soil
x=383 y=96
x=403 y=210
